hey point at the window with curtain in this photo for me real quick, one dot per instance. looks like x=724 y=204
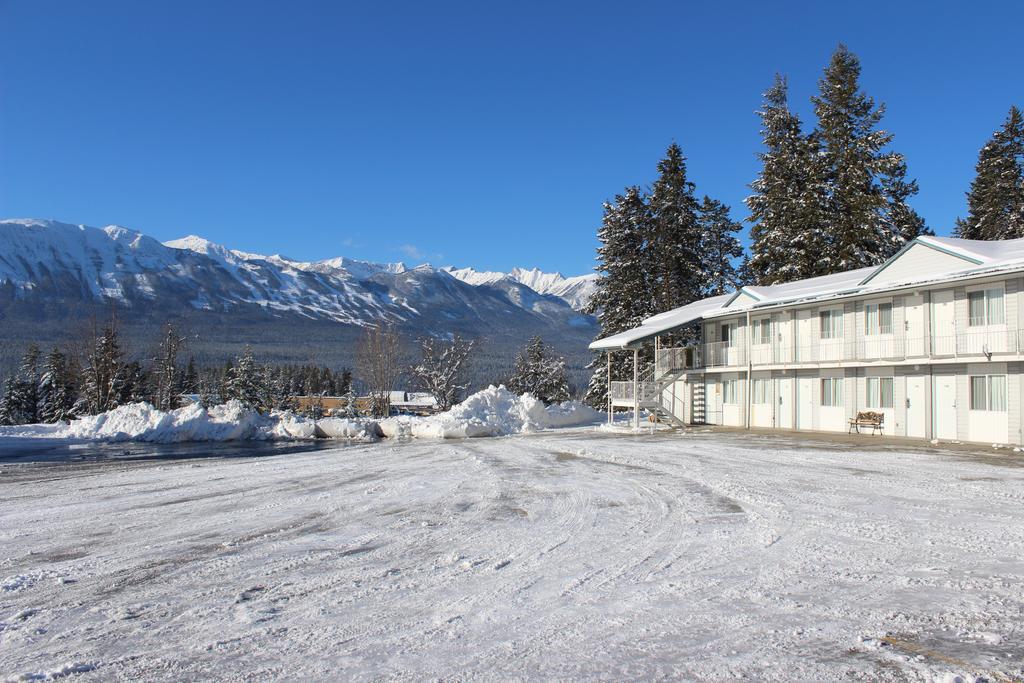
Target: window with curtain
x=988 y=392
x=832 y=392
x=986 y=307
x=729 y=393
x=879 y=392
x=831 y=323
x=877 y=319
x=762 y=391
x=762 y=331
x=729 y=334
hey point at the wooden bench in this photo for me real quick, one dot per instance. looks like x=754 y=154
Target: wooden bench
x=867 y=419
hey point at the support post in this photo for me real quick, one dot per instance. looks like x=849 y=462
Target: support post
x=636 y=388
x=608 y=356
x=750 y=367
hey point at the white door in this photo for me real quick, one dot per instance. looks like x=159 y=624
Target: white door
x=945 y=407
x=784 y=417
x=943 y=323
x=804 y=337
x=805 y=385
x=913 y=325
x=916 y=406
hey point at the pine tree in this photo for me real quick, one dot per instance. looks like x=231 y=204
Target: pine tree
x=103 y=378
x=996 y=199
x=673 y=243
x=167 y=395
x=787 y=208
x=56 y=389
x=8 y=401
x=623 y=298
x=866 y=212
x=26 y=398
x=190 y=380
x=247 y=381
x=539 y=372
x=442 y=369
x=136 y=386
x=719 y=247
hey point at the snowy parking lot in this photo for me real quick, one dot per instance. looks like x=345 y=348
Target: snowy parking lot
x=565 y=554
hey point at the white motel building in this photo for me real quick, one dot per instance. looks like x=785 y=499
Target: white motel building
x=932 y=339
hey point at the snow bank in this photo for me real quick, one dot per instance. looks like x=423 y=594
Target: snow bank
x=495 y=411
x=228 y=422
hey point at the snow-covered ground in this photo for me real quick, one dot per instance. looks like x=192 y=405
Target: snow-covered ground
x=565 y=554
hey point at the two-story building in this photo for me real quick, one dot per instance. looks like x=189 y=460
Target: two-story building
x=932 y=339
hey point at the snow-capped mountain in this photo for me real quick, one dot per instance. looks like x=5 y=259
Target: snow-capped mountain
x=576 y=291
x=53 y=272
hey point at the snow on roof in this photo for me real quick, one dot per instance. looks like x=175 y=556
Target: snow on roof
x=980 y=257
x=661 y=323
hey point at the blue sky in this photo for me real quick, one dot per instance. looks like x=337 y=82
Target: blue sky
x=460 y=133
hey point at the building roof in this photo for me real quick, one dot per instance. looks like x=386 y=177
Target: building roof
x=977 y=258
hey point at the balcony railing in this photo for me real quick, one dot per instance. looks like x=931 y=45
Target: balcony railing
x=622 y=392
x=971 y=343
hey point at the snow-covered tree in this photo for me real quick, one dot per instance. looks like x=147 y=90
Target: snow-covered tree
x=995 y=201
x=103 y=379
x=24 y=402
x=279 y=394
x=166 y=375
x=539 y=372
x=190 y=379
x=136 y=385
x=866 y=212
x=247 y=381
x=8 y=401
x=674 y=241
x=56 y=389
x=442 y=368
x=787 y=208
x=719 y=247
x=625 y=291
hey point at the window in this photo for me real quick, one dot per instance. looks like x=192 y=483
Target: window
x=729 y=334
x=988 y=392
x=879 y=392
x=832 y=392
x=986 y=307
x=831 y=324
x=762 y=391
x=877 y=319
x=729 y=396
x=762 y=332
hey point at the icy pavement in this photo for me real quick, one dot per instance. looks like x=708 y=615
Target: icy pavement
x=569 y=554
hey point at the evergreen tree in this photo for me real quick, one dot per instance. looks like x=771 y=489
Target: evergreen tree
x=103 y=378
x=673 y=244
x=26 y=398
x=787 y=207
x=136 y=385
x=995 y=202
x=8 y=402
x=56 y=389
x=190 y=380
x=277 y=391
x=623 y=298
x=167 y=394
x=867 y=214
x=719 y=247
x=539 y=372
x=247 y=381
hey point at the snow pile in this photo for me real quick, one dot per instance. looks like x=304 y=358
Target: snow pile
x=229 y=422
x=495 y=411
